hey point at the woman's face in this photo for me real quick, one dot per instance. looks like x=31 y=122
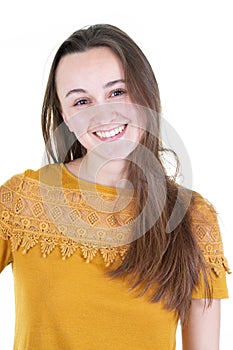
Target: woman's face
x=95 y=103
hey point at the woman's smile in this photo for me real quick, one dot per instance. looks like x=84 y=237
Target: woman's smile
x=111 y=134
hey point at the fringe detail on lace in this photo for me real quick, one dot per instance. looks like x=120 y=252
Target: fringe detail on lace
x=48 y=242
x=217 y=263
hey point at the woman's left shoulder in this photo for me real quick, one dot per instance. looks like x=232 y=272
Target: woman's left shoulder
x=204 y=220
x=202 y=210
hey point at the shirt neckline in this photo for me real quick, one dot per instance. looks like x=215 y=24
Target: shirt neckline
x=82 y=183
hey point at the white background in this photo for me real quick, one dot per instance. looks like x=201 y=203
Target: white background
x=189 y=45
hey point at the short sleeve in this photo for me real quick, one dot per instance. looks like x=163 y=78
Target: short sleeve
x=204 y=223
x=8 y=193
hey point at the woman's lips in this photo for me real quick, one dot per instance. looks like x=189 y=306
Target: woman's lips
x=111 y=135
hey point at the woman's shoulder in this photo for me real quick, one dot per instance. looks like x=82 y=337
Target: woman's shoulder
x=201 y=213
x=202 y=210
x=47 y=174
x=204 y=220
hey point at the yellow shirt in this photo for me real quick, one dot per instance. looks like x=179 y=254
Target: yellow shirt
x=61 y=237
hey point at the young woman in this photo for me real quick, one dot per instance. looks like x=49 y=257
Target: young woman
x=97 y=261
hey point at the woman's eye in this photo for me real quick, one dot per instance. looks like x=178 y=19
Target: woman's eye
x=118 y=92
x=81 y=102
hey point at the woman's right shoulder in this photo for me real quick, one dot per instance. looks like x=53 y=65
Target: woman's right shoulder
x=46 y=174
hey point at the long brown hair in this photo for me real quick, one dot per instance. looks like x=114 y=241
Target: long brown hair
x=172 y=262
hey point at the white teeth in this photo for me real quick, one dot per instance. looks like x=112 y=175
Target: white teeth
x=111 y=133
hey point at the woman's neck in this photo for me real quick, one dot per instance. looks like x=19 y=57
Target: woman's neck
x=95 y=169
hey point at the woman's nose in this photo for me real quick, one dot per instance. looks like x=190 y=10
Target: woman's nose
x=105 y=114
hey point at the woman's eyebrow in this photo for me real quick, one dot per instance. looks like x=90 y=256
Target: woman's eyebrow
x=76 y=91
x=83 y=91
x=113 y=82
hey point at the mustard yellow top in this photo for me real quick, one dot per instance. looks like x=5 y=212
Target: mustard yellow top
x=61 y=236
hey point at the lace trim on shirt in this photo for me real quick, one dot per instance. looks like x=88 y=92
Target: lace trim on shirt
x=71 y=219
x=205 y=225
x=29 y=237
x=74 y=219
